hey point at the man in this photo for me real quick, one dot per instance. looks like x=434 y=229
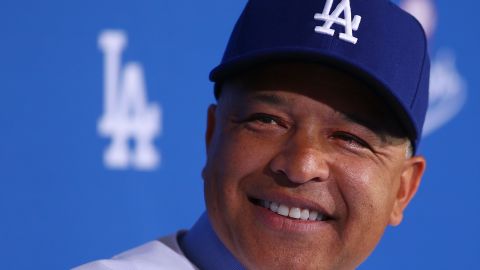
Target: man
x=311 y=145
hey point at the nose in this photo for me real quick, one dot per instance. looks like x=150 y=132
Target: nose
x=301 y=160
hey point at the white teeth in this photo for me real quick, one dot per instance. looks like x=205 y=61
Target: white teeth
x=266 y=204
x=305 y=214
x=274 y=206
x=294 y=213
x=313 y=215
x=283 y=210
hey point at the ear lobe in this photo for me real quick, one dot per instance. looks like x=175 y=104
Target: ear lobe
x=409 y=183
x=210 y=124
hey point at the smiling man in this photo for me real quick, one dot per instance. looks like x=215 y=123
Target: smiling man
x=311 y=147
x=306 y=167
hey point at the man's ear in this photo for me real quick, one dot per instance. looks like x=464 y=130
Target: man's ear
x=210 y=124
x=409 y=182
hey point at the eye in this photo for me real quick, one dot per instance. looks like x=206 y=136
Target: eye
x=351 y=140
x=263 y=121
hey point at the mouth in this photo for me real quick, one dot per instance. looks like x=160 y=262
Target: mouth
x=292 y=212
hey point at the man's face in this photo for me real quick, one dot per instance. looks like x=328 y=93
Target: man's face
x=304 y=169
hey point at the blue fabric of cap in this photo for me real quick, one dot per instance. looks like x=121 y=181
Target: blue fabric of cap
x=390 y=52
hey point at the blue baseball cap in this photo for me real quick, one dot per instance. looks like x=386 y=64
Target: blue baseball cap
x=373 y=40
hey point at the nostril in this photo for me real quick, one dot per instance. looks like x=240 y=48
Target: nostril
x=300 y=162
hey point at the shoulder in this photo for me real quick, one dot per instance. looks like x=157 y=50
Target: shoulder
x=159 y=254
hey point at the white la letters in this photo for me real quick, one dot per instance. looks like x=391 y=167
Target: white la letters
x=347 y=22
x=127 y=116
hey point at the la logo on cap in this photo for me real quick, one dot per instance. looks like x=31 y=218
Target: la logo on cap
x=334 y=17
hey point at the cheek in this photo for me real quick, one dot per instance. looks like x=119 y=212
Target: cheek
x=233 y=163
x=232 y=158
x=365 y=185
x=367 y=192
x=239 y=148
x=236 y=154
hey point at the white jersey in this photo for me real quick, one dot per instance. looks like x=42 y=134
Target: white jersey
x=155 y=255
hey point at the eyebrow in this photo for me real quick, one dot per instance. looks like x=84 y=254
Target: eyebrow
x=355 y=119
x=277 y=100
x=363 y=122
x=271 y=99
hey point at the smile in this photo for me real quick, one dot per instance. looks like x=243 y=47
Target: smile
x=292 y=212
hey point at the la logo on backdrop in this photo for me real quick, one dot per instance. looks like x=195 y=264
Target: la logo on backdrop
x=448 y=91
x=127 y=117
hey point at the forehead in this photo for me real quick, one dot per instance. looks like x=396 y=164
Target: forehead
x=342 y=92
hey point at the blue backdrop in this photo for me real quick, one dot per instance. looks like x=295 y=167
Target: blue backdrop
x=63 y=204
